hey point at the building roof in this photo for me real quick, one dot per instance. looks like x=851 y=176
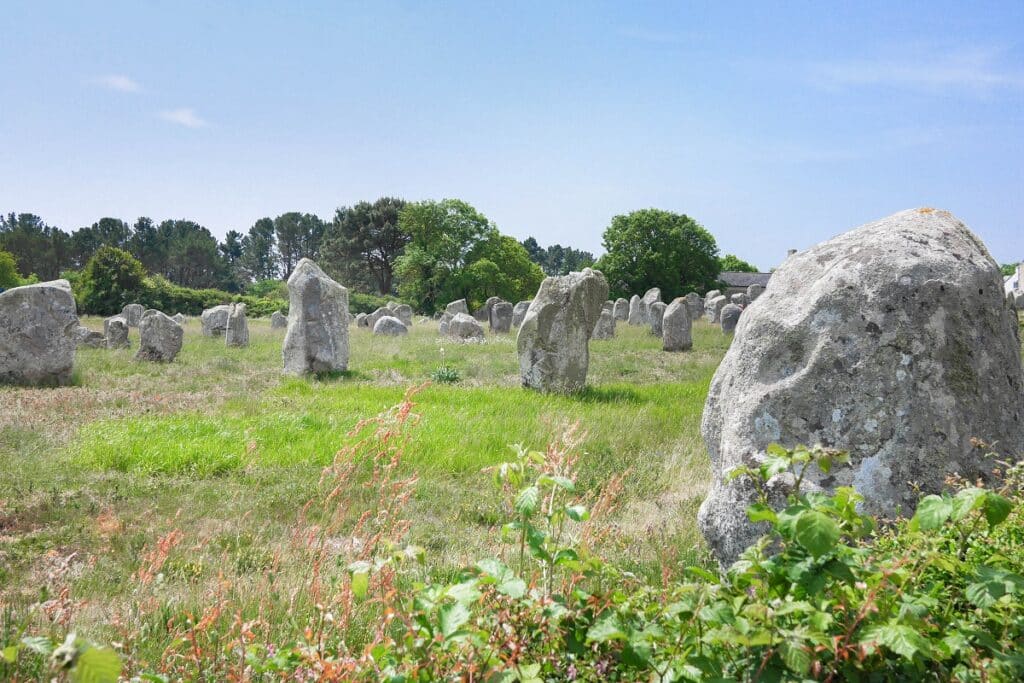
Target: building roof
x=733 y=278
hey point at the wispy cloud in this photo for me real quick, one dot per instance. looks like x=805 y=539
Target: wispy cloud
x=975 y=69
x=118 y=82
x=185 y=116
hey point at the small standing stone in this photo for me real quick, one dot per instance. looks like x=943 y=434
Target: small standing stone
x=237 y=333
x=215 y=320
x=676 y=326
x=655 y=313
x=605 y=328
x=464 y=326
x=160 y=338
x=519 y=312
x=389 y=326
x=740 y=299
x=650 y=297
x=729 y=316
x=278 y=320
x=501 y=317
x=695 y=304
x=179 y=318
x=115 y=330
x=457 y=306
x=404 y=313
x=132 y=314
x=636 y=313
x=88 y=338
x=714 y=308
x=754 y=291
x=37 y=341
x=621 y=310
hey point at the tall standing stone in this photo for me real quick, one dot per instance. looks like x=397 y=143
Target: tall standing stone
x=729 y=317
x=553 y=340
x=132 y=314
x=892 y=342
x=676 y=326
x=160 y=338
x=115 y=332
x=650 y=297
x=317 y=336
x=501 y=317
x=621 y=310
x=237 y=333
x=37 y=334
x=655 y=312
x=636 y=314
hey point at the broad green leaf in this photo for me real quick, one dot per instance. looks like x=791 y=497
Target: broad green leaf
x=759 y=512
x=38 y=644
x=577 y=513
x=996 y=508
x=97 y=665
x=560 y=482
x=605 y=629
x=527 y=500
x=10 y=654
x=900 y=638
x=932 y=512
x=816 y=532
x=452 y=617
x=504 y=579
x=360 y=584
x=967 y=500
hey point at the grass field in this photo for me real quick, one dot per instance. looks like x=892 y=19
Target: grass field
x=222 y=449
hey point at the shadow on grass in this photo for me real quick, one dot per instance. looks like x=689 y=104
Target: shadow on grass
x=334 y=376
x=608 y=395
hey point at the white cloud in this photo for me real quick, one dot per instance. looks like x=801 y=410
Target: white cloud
x=183 y=117
x=975 y=69
x=118 y=82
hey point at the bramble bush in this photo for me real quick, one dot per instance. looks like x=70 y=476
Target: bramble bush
x=829 y=593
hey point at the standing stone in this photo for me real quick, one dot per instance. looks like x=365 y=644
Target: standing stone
x=372 y=318
x=455 y=307
x=711 y=295
x=714 y=308
x=389 y=326
x=115 y=331
x=404 y=313
x=891 y=341
x=655 y=313
x=501 y=317
x=740 y=299
x=729 y=316
x=676 y=326
x=621 y=310
x=132 y=314
x=215 y=320
x=483 y=314
x=464 y=326
x=443 y=323
x=317 y=336
x=754 y=291
x=519 y=312
x=179 y=318
x=361 y=320
x=636 y=316
x=37 y=334
x=84 y=337
x=651 y=296
x=605 y=328
x=391 y=306
x=278 y=320
x=695 y=304
x=237 y=333
x=553 y=341
x=160 y=338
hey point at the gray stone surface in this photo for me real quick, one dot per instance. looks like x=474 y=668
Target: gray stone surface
x=553 y=342
x=655 y=312
x=317 y=336
x=389 y=326
x=404 y=313
x=695 y=304
x=215 y=320
x=651 y=296
x=501 y=317
x=729 y=318
x=278 y=320
x=115 y=332
x=740 y=299
x=443 y=322
x=519 y=312
x=237 y=334
x=754 y=291
x=892 y=341
x=132 y=313
x=372 y=318
x=636 y=312
x=713 y=308
x=37 y=334
x=465 y=327
x=160 y=338
x=84 y=337
x=179 y=318
x=361 y=320
x=605 y=328
x=621 y=310
x=457 y=306
x=676 y=326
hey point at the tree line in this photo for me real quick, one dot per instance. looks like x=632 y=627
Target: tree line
x=427 y=252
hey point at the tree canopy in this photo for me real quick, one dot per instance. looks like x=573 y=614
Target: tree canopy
x=556 y=259
x=364 y=241
x=655 y=248
x=731 y=263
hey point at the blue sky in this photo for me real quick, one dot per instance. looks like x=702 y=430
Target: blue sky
x=774 y=126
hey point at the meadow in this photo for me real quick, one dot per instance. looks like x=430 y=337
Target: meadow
x=203 y=468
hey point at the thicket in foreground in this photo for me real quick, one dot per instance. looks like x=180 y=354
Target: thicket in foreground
x=827 y=594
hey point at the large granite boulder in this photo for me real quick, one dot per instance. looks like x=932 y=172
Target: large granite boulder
x=115 y=332
x=389 y=326
x=463 y=326
x=676 y=326
x=554 y=339
x=621 y=310
x=132 y=313
x=160 y=338
x=215 y=320
x=655 y=312
x=317 y=336
x=278 y=320
x=730 y=317
x=237 y=334
x=892 y=341
x=501 y=317
x=519 y=312
x=37 y=334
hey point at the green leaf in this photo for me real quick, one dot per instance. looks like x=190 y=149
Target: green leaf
x=900 y=638
x=967 y=500
x=360 y=579
x=816 y=532
x=560 y=482
x=504 y=579
x=38 y=644
x=605 y=629
x=759 y=512
x=577 y=513
x=996 y=508
x=797 y=658
x=10 y=653
x=527 y=500
x=452 y=617
x=97 y=665
x=932 y=512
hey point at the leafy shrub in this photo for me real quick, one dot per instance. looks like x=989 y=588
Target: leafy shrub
x=359 y=302
x=111 y=279
x=8 y=271
x=446 y=374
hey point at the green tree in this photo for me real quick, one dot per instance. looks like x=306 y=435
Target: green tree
x=38 y=248
x=1008 y=269
x=500 y=266
x=366 y=237
x=111 y=279
x=731 y=263
x=299 y=235
x=655 y=248
x=146 y=245
x=8 y=271
x=192 y=256
x=259 y=259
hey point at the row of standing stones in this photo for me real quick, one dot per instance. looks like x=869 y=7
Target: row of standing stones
x=893 y=341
